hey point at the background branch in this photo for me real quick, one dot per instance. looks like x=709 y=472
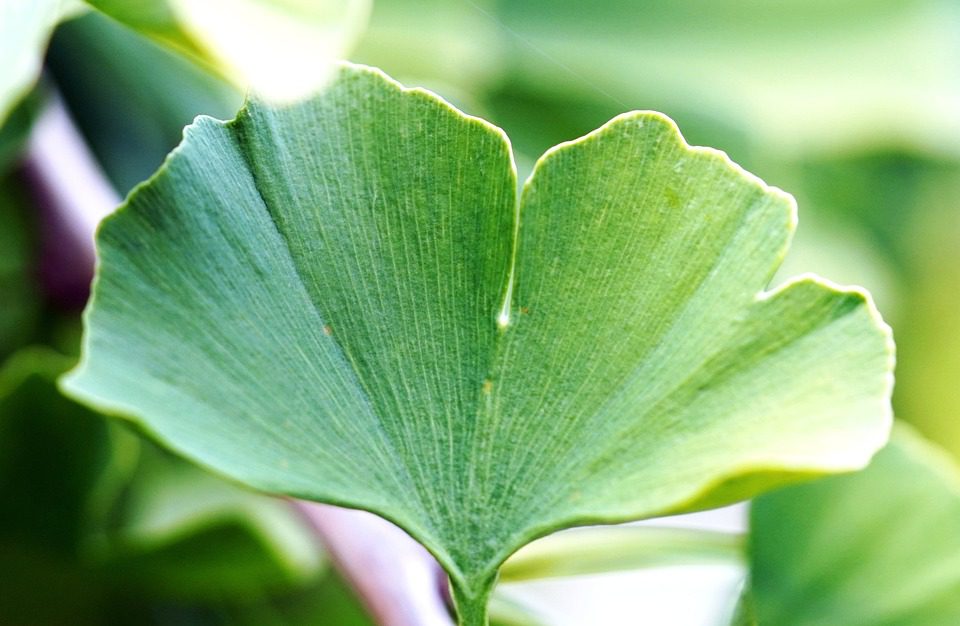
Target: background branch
x=397 y=579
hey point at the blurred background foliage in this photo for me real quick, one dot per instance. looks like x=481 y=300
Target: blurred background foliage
x=832 y=551
x=851 y=105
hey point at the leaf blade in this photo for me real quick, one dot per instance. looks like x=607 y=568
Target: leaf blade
x=344 y=301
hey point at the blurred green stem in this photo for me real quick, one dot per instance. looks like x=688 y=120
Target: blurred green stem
x=604 y=549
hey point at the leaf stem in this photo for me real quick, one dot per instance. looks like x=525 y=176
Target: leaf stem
x=471 y=605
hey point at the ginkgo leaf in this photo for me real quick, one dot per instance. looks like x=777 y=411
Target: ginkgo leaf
x=344 y=301
x=281 y=49
x=879 y=546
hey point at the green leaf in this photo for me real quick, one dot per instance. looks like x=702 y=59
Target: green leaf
x=330 y=600
x=619 y=548
x=25 y=27
x=189 y=534
x=281 y=49
x=932 y=358
x=744 y=612
x=20 y=300
x=801 y=76
x=61 y=467
x=336 y=301
x=457 y=44
x=52 y=488
x=15 y=130
x=508 y=612
x=877 y=547
x=96 y=525
x=148 y=110
x=766 y=80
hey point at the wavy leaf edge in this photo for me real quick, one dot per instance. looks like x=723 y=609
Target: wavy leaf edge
x=698 y=497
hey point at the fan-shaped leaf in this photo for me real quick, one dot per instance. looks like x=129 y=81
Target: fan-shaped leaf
x=342 y=301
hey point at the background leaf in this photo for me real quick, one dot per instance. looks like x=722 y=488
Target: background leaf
x=337 y=308
x=765 y=81
x=755 y=65
x=94 y=532
x=60 y=467
x=19 y=299
x=282 y=49
x=130 y=96
x=15 y=130
x=881 y=546
x=25 y=27
x=188 y=534
x=619 y=548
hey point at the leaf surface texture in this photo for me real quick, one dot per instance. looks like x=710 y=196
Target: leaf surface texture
x=336 y=301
